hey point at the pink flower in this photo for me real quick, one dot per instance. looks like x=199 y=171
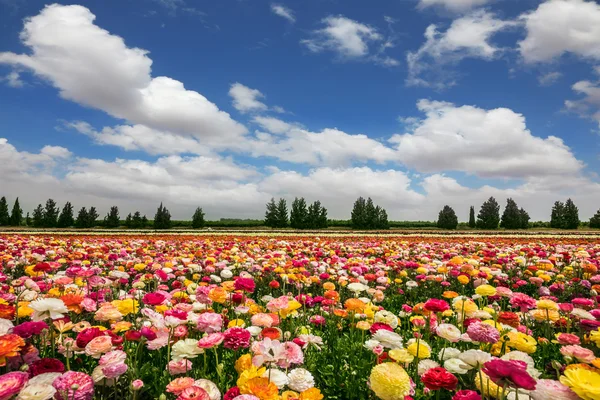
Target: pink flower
x=178 y=385
x=466 y=395
x=12 y=383
x=154 y=299
x=512 y=373
x=88 y=305
x=115 y=370
x=75 y=385
x=568 y=338
x=179 y=367
x=236 y=338
x=483 y=333
x=137 y=384
x=212 y=340
x=194 y=393
x=522 y=301
x=245 y=284
x=278 y=304
x=293 y=355
x=551 y=389
x=210 y=322
x=436 y=305
x=579 y=353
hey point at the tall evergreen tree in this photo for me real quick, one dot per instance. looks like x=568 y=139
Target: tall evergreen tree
x=489 y=214
x=129 y=221
x=523 y=219
x=162 y=219
x=65 y=219
x=27 y=220
x=382 y=220
x=82 y=218
x=136 y=220
x=371 y=214
x=314 y=211
x=595 y=220
x=298 y=214
x=51 y=214
x=358 y=216
x=38 y=216
x=447 y=218
x=112 y=218
x=4 y=216
x=322 y=221
x=556 y=218
x=511 y=217
x=271 y=214
x=282 y=214
x=472 y=223
x=92 y=217
x=144 y=222
x=571 y=215
x=16 y=217
x=198 y=218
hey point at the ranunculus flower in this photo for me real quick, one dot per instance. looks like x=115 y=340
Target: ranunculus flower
x=512 y=373
x=439 y=378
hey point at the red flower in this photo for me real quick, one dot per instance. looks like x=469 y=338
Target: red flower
x=378 y=325
x=154 y=299
x=512 y=373
x=274 y=285
x=245 y=284
x=236 y=338
x=231 y=393
x=439 y=378
x=436 y=305
x=466 y=395
x=45 y=365
x=86 y=336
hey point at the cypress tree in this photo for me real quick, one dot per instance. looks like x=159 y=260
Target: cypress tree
x=92 y=217
x=382 y=220
x=112 y=218
x=282 y=214
x=198 y=219
x=511 y=217
x=322 y=221
x=4 y=216
x=65 y=219
x=595 y=220
x=27 y=220
x=523 y=219
x=371 y=214
x=38 y=216
x=162 y=219
x=556 y=218
x=129 y=221
x=16 y=217
x=314 y=211
x=271 y=214
x=447 y=218
x=136 y=220
x=571 y=215
x=144 y=221
x=358 y=216
x=298 y=214
x=489 y=214
x=82 y=218
x=472 y=222
x=51 y=214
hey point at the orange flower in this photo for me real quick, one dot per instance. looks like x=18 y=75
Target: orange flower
x=354 y=305
x=10 y=345
x=332 y=295
x=7 y=311
x=340 y=313
x=290 y=395
x=311 y=394
x=243 y=363
x=329 y=286
x=261 y=388
x=218 y=295
x=73 y=301
x=449 y=294
x=271 y=333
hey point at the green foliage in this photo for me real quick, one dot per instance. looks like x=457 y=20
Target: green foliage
x=365 y=215
x=447 y=218
x=557 y=216
x=523 y=219
x=27 y=220
x=4 y=216
x=92 y=217
x=511 y=217
x=162 y=219
x=571 y=215
x=51 y=214
x=38 y=216
x=16 y=217
x=282 y=214
x=137 y=221
x=595 y=220
x=112 y=218
x=489 y=215
x=298 y=213
x=82 y=218
x=65 y=219
x=271 y=214
x=128 y=221
x=198 y=219
x=472 y=222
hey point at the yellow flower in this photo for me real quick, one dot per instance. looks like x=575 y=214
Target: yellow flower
x=363 y=325
x=490 y=389
x=544 y=315
x=236 y=322
x=401 y=356
x=463 y=279
x=389 y=381
x=24 y=309
x=547 y=305
x=139 y=267
x=289 y=395
x=522 y=342
x=261 y=388
x=293 y=305
x=485 y=290
x=311 y=394
x=466 y=306
x=595 y=337
x=419 y=350
x=243 y=363
x=127 y=306
x=585 y=383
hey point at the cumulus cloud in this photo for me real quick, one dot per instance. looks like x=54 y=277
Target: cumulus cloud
x=467 y=37
x=557 y=27
x=350 y=40
x=283 y=12
x=487 y=143
x=273 y=125
x=453 y=5
x=589 y=104
x=246 y=99
x=92 y=67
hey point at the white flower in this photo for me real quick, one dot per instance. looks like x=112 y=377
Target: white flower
x=474 y=358
x=386 y=317
x=388 y=339
x=210 y=387
x=226 y=274
x=448 y=353
x=279 y=378
x=371 y=344
x=300 y=380
x=426 y=365
x=187 y=348
x=411 y=285
x=37 y=392
x=254 y=330
x=582 y=314
x=5 y=326
x=215 y=278
x=449 y=332
x=48 y=308
x=456 y=366
x=44 y=379
x=357 y=287
x=316 y=341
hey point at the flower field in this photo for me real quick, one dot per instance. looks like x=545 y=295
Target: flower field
x=293 y=317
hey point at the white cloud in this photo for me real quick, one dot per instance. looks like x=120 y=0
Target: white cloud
x=246 y=99
x=557 y=27
x=589 y=104
x=13 y=79
x=273 y=125
x=549 y=78
x=29 y=167
x=55 y=152
x=350 y=40
x=487 y=143
x=467 y=37
x=283 y=12
x=95 y=68
x=453 y=5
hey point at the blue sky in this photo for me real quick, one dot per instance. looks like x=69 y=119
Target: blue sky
x=224 y=104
